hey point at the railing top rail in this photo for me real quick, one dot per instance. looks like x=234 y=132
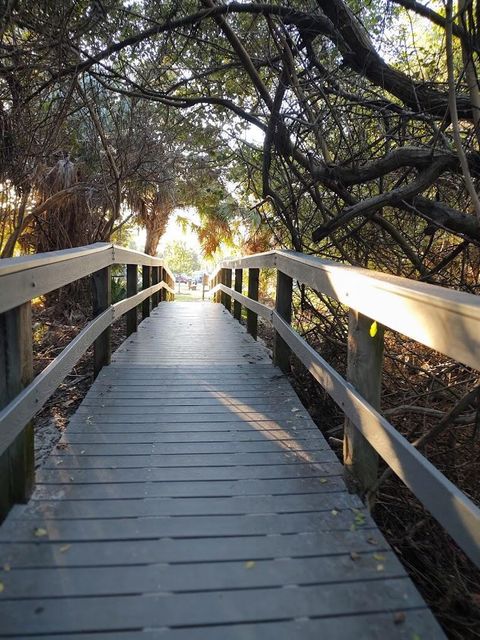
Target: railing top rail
x=120 y=255
x=27 y=277
x=271 y=258
x=22 y=263
x=443 y=319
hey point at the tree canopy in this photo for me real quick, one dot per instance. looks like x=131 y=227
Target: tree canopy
x=367 y=117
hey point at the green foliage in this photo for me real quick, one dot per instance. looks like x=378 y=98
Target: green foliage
x=181 y=259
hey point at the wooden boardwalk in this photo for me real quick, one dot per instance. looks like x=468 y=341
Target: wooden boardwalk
x=193 y=498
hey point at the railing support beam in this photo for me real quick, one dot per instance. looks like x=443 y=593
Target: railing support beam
x=227 y=281
x=252 y=317
x=17 y=464
x=146 y=282
x=283 y=306
x=364 y=371
x=102 y=299
x=163 y=277
x=132 y=289
x=237 y=307
x=155 y=280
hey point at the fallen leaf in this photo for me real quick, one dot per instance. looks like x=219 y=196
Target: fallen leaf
x=399 y=617
x=40 y=532
x=323 y=480
x=380 y=567
x=64 y=547
x=2 y=587
x=359 y=519
x=334 y=512
x=378 y=556
x=7 y=567
x=249 y=564
x=373 y=329
x=372 y=541
x=354 y=555
x=295 y=409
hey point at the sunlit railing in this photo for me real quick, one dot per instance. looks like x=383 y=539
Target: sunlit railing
x=445 y=320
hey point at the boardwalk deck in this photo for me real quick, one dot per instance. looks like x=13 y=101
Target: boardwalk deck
x=193 y=498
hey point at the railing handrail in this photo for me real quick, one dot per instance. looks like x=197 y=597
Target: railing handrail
x=440 y=318
x=27 y=277
x=22 y=395
x=455 y=511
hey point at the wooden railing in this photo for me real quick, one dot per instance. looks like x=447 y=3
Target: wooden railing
x=445 y=320
x=21 y=395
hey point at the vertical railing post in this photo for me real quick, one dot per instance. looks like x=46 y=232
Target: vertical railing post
x=237 y=307
x=283 y=306
x=216 y=281
x=146 y=281
x=163 y=292
x=155 y=280
x=227 y=281
x=223 y=296
x=364 y=371
x=132 y=289
x=171 y=283
x=252 y=317
x=17 y=465
x=102 y=299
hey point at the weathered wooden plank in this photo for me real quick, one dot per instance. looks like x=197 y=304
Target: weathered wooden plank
x=203 y=437
x=120 y=491
x=205 y=473
x=238 y=548
x=269 y=410
x=226 y=416
x=186 y=526
x=191 y=460
x=238 y=424
x=417 y=622
x=179 y=578
x=97 y=614
x=173 y=398
x=196 y=506
x=232 y=447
